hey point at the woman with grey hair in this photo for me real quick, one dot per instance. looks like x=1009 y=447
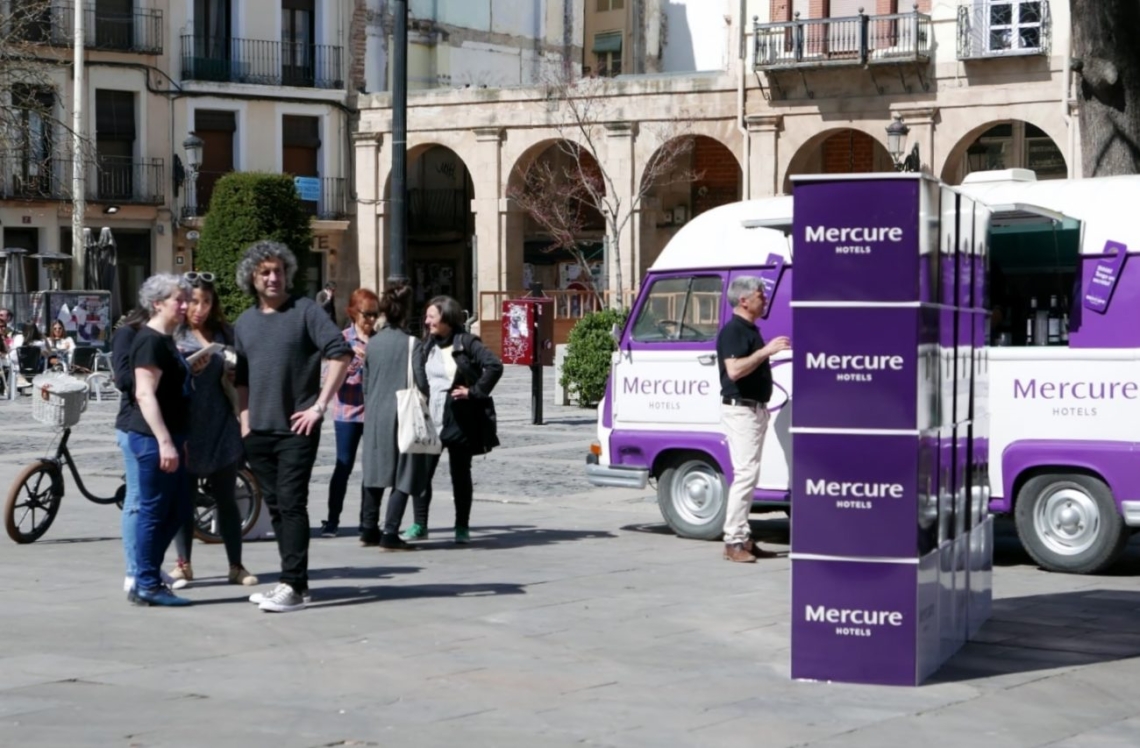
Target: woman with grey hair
x=156 y=434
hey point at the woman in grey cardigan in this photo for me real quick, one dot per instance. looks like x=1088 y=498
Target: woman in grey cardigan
x=385 y=372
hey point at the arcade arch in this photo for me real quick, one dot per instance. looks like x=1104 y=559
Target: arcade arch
x=440 y=227
x=839 y=151
x=1005 y=144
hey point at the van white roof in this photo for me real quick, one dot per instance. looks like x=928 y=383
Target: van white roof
x=734 y=235
x=1103 y=205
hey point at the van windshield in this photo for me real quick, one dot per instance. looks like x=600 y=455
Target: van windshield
x=680 y=309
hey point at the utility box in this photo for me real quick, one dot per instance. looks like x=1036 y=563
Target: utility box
x=528 y=331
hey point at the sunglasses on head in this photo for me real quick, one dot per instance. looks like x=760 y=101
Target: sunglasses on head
x=195 y=277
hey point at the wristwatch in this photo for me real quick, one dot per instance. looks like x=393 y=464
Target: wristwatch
x=319 y=408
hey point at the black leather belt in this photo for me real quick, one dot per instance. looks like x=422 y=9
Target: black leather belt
x=742 y=401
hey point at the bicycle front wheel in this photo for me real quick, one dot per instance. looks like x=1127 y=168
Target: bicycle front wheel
x=247 y=495
x=33 y=501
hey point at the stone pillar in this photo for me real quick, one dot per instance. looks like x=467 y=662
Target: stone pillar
x=764 y=141
x=369 y=209
x=921 y=122
x=489 y=244
x=618 y=164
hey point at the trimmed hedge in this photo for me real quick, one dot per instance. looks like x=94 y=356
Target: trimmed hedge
x=246 y=207
x=589 y=350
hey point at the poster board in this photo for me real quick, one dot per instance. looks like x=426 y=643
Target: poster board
x=86 y=315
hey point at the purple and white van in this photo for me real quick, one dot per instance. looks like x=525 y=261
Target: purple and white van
x=1063 y=365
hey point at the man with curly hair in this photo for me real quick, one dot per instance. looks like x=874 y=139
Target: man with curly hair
x=281 y=342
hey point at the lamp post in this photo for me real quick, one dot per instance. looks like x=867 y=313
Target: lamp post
x=78 y=196
x=896 y=142
x=193 y=147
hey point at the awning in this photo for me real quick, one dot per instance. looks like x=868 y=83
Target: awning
x=610 y=42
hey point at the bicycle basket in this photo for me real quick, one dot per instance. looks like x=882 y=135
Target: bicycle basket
x=58 y=400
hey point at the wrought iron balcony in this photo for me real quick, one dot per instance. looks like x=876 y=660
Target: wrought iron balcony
x=854 y=40
x=107 y=178
x=139 y=30
x=988 y=30
x=265 y=63
x=330 y=204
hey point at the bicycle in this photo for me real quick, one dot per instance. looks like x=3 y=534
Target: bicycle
x=248 y=497
x=40 y=488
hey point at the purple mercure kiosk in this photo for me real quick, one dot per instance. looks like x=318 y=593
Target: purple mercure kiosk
x=891 y=543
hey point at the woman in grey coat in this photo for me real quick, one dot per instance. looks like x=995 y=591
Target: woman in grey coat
x=385 y=372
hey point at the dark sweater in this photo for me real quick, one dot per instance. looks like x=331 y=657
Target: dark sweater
x=279 y=360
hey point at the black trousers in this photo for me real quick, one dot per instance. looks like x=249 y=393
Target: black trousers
x=283 y=465
x=459 y=462
x=370 y=511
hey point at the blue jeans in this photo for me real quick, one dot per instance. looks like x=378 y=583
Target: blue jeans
x=130 y=501
x=348 y=435
x=164 y=505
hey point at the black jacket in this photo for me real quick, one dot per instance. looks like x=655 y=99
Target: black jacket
x=471 y=422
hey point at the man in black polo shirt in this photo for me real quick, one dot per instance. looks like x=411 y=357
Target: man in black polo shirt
x=745 y=388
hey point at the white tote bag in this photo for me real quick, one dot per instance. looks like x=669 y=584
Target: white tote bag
x=415 y=433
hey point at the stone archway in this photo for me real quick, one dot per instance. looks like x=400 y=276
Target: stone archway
x=1005 y=144
x=702 y=173
x=440 y=227
x=839 y=151
x=560 y=227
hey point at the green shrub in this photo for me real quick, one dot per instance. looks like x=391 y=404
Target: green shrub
x=246 y=207
x=588 y=355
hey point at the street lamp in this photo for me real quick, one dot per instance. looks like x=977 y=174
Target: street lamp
x=896 y=141
x=193 y=147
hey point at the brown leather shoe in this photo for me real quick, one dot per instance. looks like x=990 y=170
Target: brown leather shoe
x=738 y=553
x=756 y=551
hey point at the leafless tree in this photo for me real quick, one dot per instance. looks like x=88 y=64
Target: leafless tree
x=33 y=124
x=1107 y=61
x=560 y=194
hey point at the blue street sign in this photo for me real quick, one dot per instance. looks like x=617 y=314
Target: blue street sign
x=308 y=188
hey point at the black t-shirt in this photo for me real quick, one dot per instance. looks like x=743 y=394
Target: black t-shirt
x=152 y=348
x=739 y=338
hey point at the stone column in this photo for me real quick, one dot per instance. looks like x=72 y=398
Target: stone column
x=921 y=122
x=369 y=208
x=618 y=163
x=489 y=244
x=764 y=142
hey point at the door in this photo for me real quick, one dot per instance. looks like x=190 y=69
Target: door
x=666 y=378
x=114 y=24
x=216 y=129
x=300 y=150
x=297 y=36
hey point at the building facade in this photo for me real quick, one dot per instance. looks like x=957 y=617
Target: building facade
x=265 y=85
x=805 y=87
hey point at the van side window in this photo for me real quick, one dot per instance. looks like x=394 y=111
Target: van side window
x=684 y=309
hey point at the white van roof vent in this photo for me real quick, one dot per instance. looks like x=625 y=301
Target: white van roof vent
x=1002 y=175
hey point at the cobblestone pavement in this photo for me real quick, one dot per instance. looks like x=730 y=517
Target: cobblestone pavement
x=573 y=618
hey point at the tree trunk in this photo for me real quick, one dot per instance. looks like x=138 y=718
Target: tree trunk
x=1107 y=60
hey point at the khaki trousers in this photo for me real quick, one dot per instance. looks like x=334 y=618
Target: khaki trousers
x=745 y=428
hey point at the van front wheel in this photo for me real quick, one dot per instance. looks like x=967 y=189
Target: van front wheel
x=692 y=495
x=1068 y=522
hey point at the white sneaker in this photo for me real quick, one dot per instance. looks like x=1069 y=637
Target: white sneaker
x=258 y=598
x=128 y=583
x=283 y=600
